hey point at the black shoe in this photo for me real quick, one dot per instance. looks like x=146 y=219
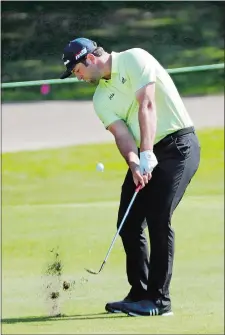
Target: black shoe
x=145 y=308
x=116 y=306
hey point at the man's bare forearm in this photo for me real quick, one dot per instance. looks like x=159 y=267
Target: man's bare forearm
x=128 y=150
x=147 y=121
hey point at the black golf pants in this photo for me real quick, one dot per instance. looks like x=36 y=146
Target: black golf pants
x=150 y=275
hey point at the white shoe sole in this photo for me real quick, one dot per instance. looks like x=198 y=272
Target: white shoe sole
x=114 y=311
x=135 y=314
x=167 y=314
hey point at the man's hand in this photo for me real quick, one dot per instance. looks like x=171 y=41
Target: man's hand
x=138 y=178
x=148 y=162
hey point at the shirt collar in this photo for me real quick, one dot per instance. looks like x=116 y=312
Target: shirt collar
x=115 y=61
x=114 y=68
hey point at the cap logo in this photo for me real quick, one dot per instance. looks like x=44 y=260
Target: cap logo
x=81 y=53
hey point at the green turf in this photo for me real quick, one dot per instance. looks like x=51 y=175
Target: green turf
x=56 y=198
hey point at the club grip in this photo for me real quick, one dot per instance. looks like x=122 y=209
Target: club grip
x=138 y=188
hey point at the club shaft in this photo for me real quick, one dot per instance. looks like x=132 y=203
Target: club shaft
x=121 y=225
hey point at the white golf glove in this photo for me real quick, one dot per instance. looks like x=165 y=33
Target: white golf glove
x=148 y=161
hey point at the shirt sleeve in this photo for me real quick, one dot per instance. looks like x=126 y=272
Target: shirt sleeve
x=104 y=113
x=140 y=68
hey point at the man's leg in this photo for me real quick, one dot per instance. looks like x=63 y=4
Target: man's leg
x=135 y=245
x=134 y=238
x=178 y=162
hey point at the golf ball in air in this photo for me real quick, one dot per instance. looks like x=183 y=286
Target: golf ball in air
x=100 y=167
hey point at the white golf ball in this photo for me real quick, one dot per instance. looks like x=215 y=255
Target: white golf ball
x=100 y=167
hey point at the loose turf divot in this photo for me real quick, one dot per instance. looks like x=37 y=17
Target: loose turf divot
x=53 y=284
x=57 y=289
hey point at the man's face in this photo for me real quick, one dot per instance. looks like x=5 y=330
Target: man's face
x=89 y=72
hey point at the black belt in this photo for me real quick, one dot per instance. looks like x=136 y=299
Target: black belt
x=174 y=135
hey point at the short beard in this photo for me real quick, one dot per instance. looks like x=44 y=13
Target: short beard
x=94 y=81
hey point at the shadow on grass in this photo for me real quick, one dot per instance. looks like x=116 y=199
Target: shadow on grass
x=61 y=318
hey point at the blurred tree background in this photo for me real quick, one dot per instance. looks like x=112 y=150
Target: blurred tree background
x=177 y=33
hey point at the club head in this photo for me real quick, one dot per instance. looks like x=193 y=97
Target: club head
x=92 y=272
x=95 y=273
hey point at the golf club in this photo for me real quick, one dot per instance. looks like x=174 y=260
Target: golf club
x=117 y=233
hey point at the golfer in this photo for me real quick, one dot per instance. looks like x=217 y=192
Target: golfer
x=137 y=101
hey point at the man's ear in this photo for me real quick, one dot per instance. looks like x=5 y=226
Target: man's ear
x=91 y=58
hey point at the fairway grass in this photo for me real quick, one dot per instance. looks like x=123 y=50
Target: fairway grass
x=54 y=199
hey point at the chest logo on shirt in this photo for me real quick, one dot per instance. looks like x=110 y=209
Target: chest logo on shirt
x=111 y=96
x=123 y=80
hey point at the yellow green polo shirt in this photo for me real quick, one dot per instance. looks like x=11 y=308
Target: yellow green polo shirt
x=115 y=99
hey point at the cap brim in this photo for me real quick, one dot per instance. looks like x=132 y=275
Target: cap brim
x=65 y=74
